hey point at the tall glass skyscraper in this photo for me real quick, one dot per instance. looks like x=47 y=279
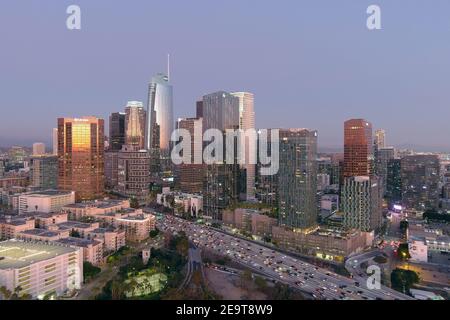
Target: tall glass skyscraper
x=135 y=124
x=160 y=121
x=420 y=182
x=358 y=149
x=44 y=171
x=220 y=111
x=297 y=179
x=116 y=130
x=81 y=156
x=247 y=122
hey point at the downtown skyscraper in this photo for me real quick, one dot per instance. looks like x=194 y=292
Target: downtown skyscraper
x=361 y=203
x=160 y=122
x=358 y=151
x=380 y=139
x=44 y=171
x=420 y=182
x=220 y=110
x=81 y=156
x=116 y=130
x=247 y=122
x=297 y=179
x=192 y=175
x=135 y=116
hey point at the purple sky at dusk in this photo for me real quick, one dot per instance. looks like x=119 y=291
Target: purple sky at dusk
x=310 y=64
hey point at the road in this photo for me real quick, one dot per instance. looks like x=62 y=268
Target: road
x=194 y=263
x=321 y=283
x=353 y=265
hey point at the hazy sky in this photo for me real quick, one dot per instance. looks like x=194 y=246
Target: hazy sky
x=310 y=64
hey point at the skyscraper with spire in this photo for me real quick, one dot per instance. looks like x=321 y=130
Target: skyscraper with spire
x=160 y=123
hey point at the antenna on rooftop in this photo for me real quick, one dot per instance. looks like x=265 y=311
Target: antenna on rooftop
x=168 y=67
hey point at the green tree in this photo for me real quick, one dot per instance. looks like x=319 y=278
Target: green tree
x=154 y=233
x=403 y=251
x=134 y=203
x=74 y=233
x=404 y=227
x=89 y=270
x=432 y=214
x=402 y=280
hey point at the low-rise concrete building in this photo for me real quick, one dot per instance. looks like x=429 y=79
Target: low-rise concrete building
x=137 y=227
x=325 y=244
x=188 y=202
x=10 y=226
x=249 y=220
x=45 y=220
x=424 y=239
x=93 y=208
x=45 y=201
x=113 y=239
x=92 y=249
x=40 y=268
x=83 y=229
x=41 y=235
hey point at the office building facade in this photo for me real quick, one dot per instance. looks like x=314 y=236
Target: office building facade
x=133 y=179
x=358 y=153
x=297 y=179
x=81 y=156
x=116 y=130
x=135 y=116
x=160 y=122
x=247 y=122
x=361 y=203
x=44 y=171
x=38 y=149
x=382 y=158
x=191 y=175
x=420 y=182
x=111 y=169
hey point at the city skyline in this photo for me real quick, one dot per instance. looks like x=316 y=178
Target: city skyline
x=231 y=153
x=316 y=72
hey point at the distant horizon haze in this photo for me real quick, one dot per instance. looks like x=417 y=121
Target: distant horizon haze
x=310 y=64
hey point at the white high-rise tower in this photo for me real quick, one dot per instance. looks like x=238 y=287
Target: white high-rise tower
x=247 y=121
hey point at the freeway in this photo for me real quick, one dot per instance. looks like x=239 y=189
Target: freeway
x=353 y=265
x=320 y=283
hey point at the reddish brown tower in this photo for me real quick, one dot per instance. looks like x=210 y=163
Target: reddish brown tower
x=357 y=148
x=81 y=156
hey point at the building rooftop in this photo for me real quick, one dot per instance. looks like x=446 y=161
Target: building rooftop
x=38 y=214
x=47 y=193
x=14 y=220
x=15 y=254
x=105 y=230
x=139 y=217
x=103 y=204
x=74 y=224
x=41 y=232
x=78 y=242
